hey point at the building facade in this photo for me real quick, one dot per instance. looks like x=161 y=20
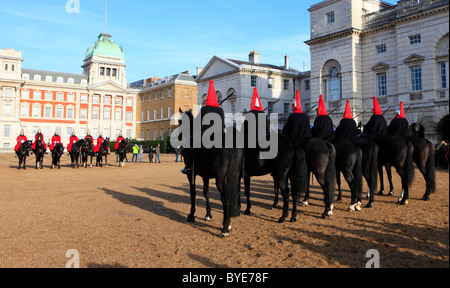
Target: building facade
x=276 y=85
x=159 y=99
x=97 y=101
x=365 y=48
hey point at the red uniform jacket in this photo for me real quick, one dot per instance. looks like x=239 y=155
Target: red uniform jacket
x=119 y=139
x=99 y=143
x=42 y=140
x=72 y=140
x=55 y=139
x=20 y=140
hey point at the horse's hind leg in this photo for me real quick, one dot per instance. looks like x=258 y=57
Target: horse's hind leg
x=208 y=216
x=389 y=175
x=305 y=200
x=285 y=194
x=247 y=194
x=338 y=182
x=276 y=191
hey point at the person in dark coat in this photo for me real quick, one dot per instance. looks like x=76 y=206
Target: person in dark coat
x=399 y=125
x=347 y=128
x=376 y=128
x=298 y=127
x=323 y=125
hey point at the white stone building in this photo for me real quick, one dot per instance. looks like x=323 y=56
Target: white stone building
x=240 y=77
x=365 y=48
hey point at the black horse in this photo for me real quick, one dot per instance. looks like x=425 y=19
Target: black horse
x=39 y=152
x=423 y=156
x=349 y=162
x=58 y=151
x=23 y=153
x=289 y=164
x=103 y=152
x=369 y=165
x=320 y=160
x=222 y=164
x=122 y=151
x=85 y=151
x=396 y=151
x=75 y=153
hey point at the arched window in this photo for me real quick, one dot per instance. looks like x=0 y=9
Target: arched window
x=335 y=84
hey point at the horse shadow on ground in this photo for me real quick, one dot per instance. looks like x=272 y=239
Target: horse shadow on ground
x=149 y=204
x=400 y=245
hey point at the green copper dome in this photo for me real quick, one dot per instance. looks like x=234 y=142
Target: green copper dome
x=105 y=46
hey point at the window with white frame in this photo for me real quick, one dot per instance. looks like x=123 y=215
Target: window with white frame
x=118 y=100
x=156 y=95
x=270 y=83
x=24 y=111
x=25 y=94
x=7 y=109
x=382 y=84
x=95 y=114
x=286 y=84
x=70 y=97
x=37 y=78
x=381 y=49
x=96 y=99
x=170 y=92
x=48 y=79
x=60 y=97
x=155 y=115
x=335 y=84
x=162 y=113
x=330 y=17
x=443 y=75
x=107 y=100
x=48 y=112
x=129 y=116
x=6 y=131
x=37 y=95
x=416 y=78
x=162 y=133
x=253 y=81
x=83 y=114
x=415 y=39
x=118 y=115
x=107 y=114
x=70 y=81
x=25 y=77
x=36 y=111
x=84 y=98
x=148 y=115
x=48 y=96
x=59 y=80
x=162 y=94
x=169 y=112
x=129 y=101
x=59 y=112
x=70 y=112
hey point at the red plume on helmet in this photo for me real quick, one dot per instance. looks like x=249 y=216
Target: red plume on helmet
x=348 y=111
x=211 y=100
x=376 y=107
x=256 y=102
x=297 y=103
x=402 y=111
x=322 y=110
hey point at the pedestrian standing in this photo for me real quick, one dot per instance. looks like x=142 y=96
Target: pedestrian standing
x=141 y=151
x=158 y=151
x=135 y=153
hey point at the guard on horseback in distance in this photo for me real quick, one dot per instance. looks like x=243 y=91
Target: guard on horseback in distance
x=39 y=137
x=119 y=139
x=20 y=140
x=323 y=125
x=72 y=140
x=55 y=139
x=100 y=140
x=399 y=125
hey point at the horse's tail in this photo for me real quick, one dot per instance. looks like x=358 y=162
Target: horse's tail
x=330 y=172
x=430 y=175
x=374 y=167
x=357 y=172
x=232 y=180
x=409 y=163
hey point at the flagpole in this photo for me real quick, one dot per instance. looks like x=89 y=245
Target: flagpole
x=106 y=11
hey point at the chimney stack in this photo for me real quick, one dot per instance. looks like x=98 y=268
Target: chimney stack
x=254 y=57
x=286 y=62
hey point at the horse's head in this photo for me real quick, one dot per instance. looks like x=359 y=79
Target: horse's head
x=417 y=130
x=186 y=115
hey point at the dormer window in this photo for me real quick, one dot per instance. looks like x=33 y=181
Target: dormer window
x=48 y=78
x=37 y=78
x=25 y=77
x=59 y=80
x=83 y=82
x=70 y=81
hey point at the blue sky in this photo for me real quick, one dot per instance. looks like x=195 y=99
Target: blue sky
x=159 y=38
